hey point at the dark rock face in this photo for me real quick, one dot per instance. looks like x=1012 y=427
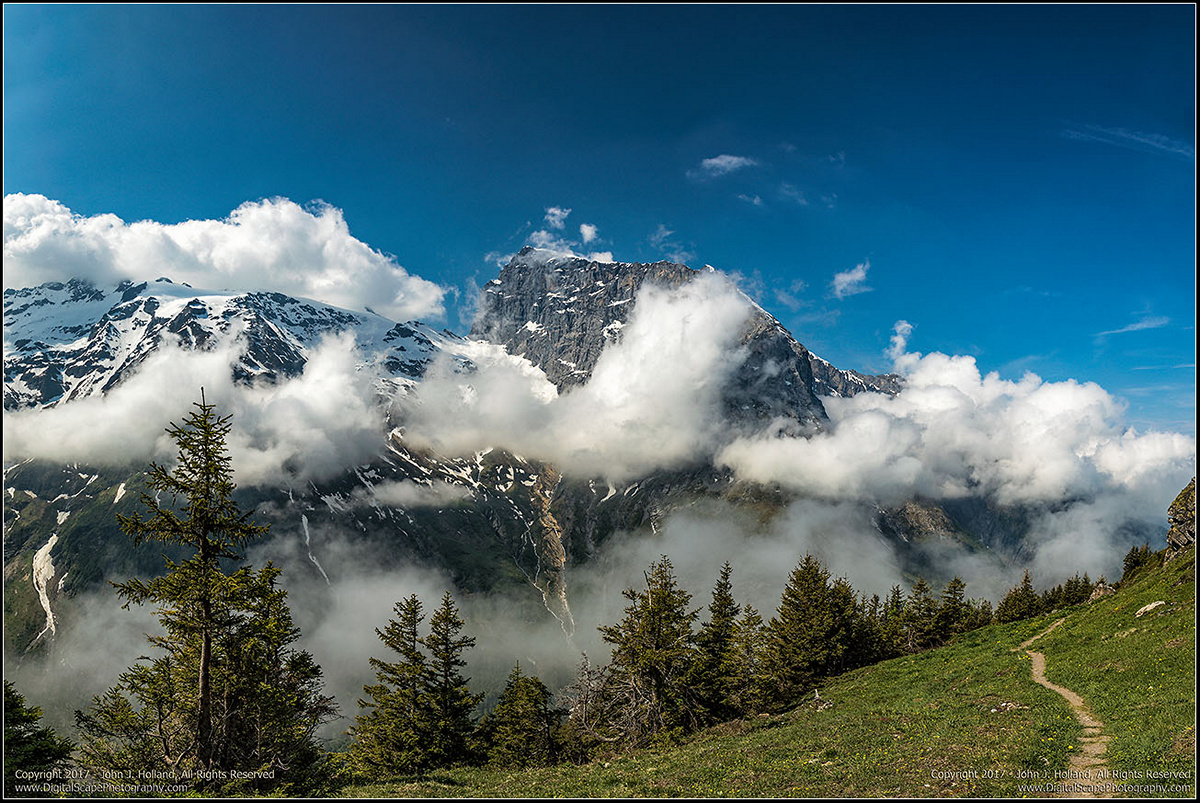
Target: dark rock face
x=1181 y=517
x=560 y=312
x=830 y=381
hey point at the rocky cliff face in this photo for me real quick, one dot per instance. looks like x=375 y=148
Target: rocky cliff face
x=559 y=312
x=1181 y=519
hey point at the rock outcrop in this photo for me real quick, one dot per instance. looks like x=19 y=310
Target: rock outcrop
x=1181 y=518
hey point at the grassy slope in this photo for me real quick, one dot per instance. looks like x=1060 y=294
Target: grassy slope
x=1137 y=674
x=904 y=727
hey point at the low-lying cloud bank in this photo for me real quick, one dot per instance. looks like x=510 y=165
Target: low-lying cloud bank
x=273 y=244
x=309 y=427
x=953 y=432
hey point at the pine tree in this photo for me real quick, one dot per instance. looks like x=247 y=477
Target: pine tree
x=713 y=670
x=26 y=746
x=226 y=643
x=390 y=736
x=652 y=653
x=798 y=648
x=451 y=704
x=520 y=730
x=1077 y=590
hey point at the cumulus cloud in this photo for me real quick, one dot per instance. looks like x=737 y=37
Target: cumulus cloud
x=588 y=232
x=273 y=244
x=653 y=400
x=556 y=217
x=851 y=282
x=308 y=427
x=952 y=433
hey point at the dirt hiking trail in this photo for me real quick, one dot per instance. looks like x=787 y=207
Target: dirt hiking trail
x=1086 y=765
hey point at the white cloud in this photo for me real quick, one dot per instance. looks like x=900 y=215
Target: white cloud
x=272 y=244
x=1147 y=322
x=308 y=427
x=753 y=200
x=556 y=217
x=851 y=282
x=1060 y=447
x=409 y=494
x=653 y=400
x=724 y=164
x=588 y=232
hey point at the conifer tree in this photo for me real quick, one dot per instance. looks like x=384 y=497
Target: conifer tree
x=390 y=736
x=953 y=611
x=749 y=678
x=229 y=691
x=920 y=613
x=652 y=653
x=1021 y=602
x=894 y=640
x=520 y=730
x=798 y=648
x=845 y=628
x=980 y=614
x=26 y=746
x=450 y=702
x=713 y=671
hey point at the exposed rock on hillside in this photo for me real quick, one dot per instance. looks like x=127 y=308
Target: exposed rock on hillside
x=1181 y=517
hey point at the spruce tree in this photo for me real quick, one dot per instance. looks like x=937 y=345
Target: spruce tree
x=1021 y=602
x=652 y=653
x=920 y=613
x=198 y=590
x=712 y=672
x=520 y=730
x=798 y=648
x=748 y=681
x=229 y=692
x=845 y=629
x=953 y=611
x=28 y=747
x=893 y=637
x=390 y=736
x=450 y=703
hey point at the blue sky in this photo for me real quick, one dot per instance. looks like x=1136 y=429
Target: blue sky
x=1017 y=182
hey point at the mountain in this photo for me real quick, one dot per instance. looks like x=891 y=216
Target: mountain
x=490 y=520
x=559 y=311
x=68 y=341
